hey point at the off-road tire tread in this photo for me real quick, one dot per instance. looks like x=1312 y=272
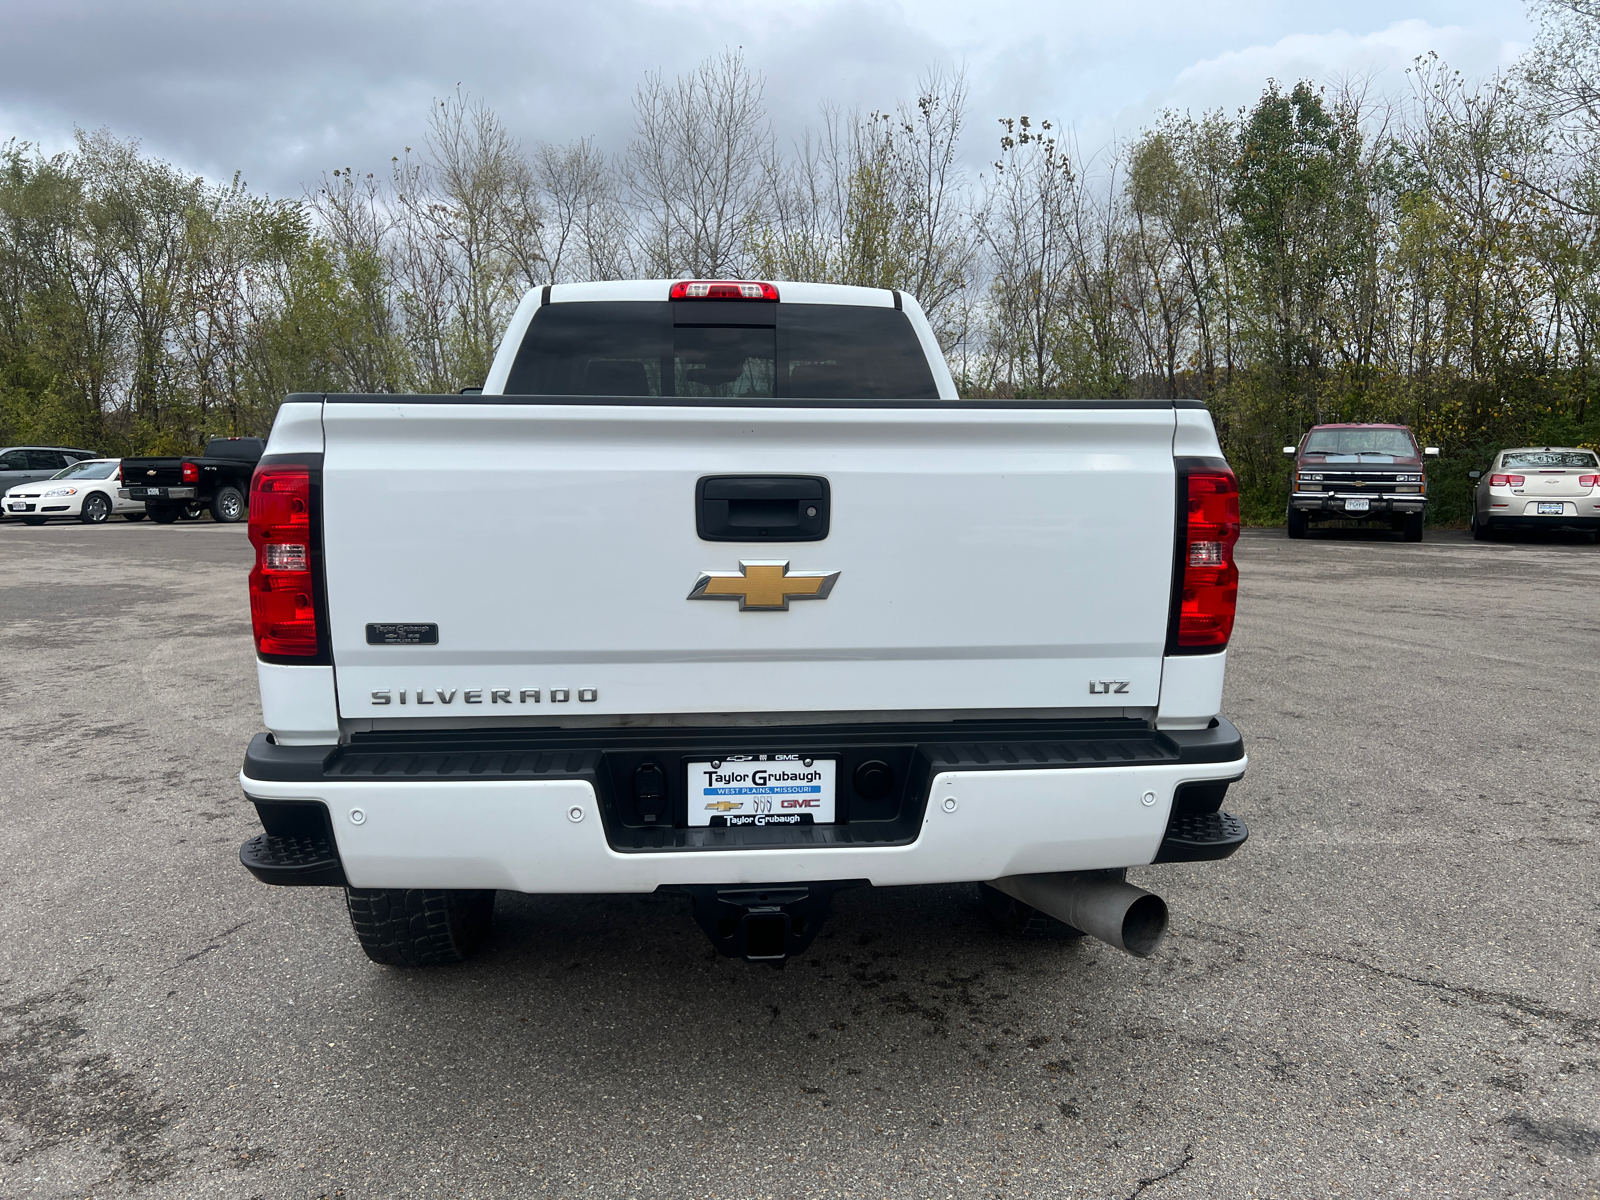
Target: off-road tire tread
x=419 y=927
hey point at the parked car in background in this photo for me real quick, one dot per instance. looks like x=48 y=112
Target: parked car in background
x=1550 y=487
x=218 y=480
x=89 y=490
x=29 y=464
x=1360 y=473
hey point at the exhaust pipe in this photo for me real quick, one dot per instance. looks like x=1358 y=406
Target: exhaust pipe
x=1116 y=912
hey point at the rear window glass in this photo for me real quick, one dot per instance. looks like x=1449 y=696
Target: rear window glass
x=633 y=348
x=1549 y=458
x=88 y=470
x=244 y=449
x=1361 y=441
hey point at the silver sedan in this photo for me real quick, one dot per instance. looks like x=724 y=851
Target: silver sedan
x=1549 y=487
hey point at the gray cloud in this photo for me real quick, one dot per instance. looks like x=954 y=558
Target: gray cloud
x=286 y=90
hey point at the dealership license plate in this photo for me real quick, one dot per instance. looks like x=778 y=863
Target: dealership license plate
x=762 y=789
x=1551 y=510
x=19 y=508
x=1357 y=505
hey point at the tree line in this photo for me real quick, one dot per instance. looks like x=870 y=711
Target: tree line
x=1328 y=253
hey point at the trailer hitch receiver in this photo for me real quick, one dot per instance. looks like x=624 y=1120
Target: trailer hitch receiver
x=766 y=924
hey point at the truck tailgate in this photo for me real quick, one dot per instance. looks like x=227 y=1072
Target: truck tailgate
x=986 y=559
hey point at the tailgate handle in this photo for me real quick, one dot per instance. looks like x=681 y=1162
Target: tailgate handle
x=761 y=508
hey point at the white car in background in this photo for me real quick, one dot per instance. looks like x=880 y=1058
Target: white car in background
x=85 y=490
x=1549 y=487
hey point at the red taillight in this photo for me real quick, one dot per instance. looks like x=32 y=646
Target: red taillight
x=283 y=610
x=722 y=289
x=1506 y=481
x=191 y=473
x=1589 y=481
x=1210 y=594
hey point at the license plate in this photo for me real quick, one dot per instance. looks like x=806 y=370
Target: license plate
x=19 y=508
x=1551 y=510
x=1357 y=505
x=762 y=789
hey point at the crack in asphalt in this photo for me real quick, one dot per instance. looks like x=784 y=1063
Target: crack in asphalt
x=217 y=945
x=1585 y=1026
x=1147 y=1181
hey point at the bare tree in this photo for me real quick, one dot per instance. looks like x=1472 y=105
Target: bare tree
x=1031 y=260
x=585 y=231
x=698 y=166
x=468 y=220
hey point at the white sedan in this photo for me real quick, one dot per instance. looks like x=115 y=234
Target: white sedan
x=1550 y=487
x=85 y=490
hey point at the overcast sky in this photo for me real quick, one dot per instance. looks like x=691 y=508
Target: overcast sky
x=283 y=91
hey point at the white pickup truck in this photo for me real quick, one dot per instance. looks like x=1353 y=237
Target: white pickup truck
x=719 y=587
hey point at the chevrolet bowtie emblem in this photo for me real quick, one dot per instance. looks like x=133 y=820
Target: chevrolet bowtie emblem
x=764 y=585
x=724 y=805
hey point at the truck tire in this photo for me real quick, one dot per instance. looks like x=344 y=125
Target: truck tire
x=1298 y=523
x=1413 y=527
x=1016 y=919
x=133 y=516
x=96 y=509
x=33 y=520
x=419 y=927
x=191 y=511
x=227 y=506
x=162 y=514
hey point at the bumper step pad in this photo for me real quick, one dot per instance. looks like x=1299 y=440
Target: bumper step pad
x=1199 y=837
x=293 y=861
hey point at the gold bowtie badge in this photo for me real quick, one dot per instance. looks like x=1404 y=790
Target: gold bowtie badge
x=764 y=585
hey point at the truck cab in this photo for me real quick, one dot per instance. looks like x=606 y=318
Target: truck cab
x=1359 y=472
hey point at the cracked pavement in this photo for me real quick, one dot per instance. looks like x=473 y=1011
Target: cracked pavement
x=1390 y=990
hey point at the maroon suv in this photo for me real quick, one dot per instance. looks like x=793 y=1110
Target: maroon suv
x=1359 y=473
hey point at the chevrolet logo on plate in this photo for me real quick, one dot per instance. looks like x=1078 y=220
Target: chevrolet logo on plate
x=724 y=805
x=764 y=585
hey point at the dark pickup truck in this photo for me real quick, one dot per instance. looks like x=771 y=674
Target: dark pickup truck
x=1369 y=473
x=218 y=480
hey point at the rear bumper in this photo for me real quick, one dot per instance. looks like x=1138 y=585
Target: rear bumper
x=1333 y=504
x=157 y=493
x=1525 y=521
x=434 y=828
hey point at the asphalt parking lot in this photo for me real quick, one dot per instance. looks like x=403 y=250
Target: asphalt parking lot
x=1390 y=990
